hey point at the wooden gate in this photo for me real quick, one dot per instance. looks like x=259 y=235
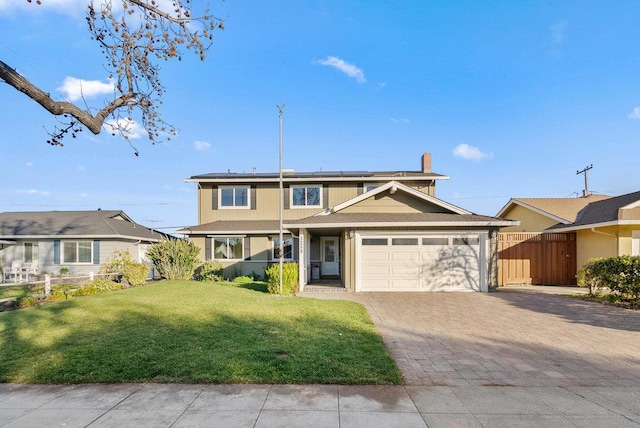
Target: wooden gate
x=537 y=258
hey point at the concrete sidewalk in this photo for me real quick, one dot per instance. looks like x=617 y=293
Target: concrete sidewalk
x=177 y=405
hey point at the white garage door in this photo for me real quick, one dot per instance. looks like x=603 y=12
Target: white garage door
x=434 y=262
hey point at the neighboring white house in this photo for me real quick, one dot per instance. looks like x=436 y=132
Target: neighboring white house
x=79 y=241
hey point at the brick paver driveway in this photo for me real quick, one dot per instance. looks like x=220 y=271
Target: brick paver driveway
x=505 y=338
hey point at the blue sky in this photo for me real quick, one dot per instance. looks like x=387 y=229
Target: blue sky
x=511 y=98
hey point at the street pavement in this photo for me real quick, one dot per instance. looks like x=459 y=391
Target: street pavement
x=518 y=357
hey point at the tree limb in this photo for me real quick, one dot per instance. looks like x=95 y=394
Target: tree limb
x=57 y=108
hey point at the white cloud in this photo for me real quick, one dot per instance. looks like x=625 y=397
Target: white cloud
x=635 y=114
x=402 y=120
x=468 y=152
x=68 y=7
x=343 y=66
x=75 y=89
x=558 y=32
x=202 y=145
x=130 y=128
x=33 y=192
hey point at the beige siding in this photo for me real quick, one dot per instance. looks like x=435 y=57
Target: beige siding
x=591 y=245
x=349 y=255
x=399 y=202
x=267 y=198
x=530 y=221
x=198 y=241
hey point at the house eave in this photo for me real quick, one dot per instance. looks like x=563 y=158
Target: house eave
x=112 y=237
x=593 y=226
x=355 y=225
x=312 y=179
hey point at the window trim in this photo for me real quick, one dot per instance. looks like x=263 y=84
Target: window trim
x=305 y=186
x=234 y=206
x=213 y=247
x=77 y=254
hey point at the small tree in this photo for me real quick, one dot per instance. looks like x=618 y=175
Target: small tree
x=289 y=278
x=120 y=261
x=174 y=258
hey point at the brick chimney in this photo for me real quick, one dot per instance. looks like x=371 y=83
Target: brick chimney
x=426 y=162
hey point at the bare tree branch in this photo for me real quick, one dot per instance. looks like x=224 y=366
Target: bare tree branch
x=132 y=41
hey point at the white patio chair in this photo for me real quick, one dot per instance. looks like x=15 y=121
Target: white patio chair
x=15 y=271
x=32 y=269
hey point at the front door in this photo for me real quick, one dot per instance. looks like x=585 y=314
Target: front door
x=330 y=256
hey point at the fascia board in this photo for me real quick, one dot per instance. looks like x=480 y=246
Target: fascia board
x=593 y=226
x=112 y=237
x=226 y=233
x=315 y=179
x=503 y=223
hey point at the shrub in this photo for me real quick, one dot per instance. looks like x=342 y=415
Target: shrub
x=209 y=271
x=242 y=279
x=289 y=278
x=120 y=261
x=621 y=274
x=25 y=302
x=64 y=270
x=174 y=258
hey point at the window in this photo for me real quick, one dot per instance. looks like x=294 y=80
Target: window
x=374 y=241
x=30 y=252
x=306 y=196
x=287 y=248
x=367 y=187
x=228 y=249
x=466 y=241
x=77 y=252
x=435 y=241
x=234 y=197
x=404 y=241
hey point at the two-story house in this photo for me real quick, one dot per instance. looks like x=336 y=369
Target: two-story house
x=370 y=231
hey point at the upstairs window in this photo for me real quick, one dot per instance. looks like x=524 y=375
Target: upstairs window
x=306 y=196
x=234 y=197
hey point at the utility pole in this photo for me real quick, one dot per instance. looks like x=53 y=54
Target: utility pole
x=585 y=171
x=281 y=202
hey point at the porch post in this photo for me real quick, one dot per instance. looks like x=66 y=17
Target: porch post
x=302 y=260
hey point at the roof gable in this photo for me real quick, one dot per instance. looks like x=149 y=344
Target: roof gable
x=561 y=210
x=413 y=200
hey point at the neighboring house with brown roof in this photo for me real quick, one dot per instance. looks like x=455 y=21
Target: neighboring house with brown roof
x=604 y=226
x=79 y=240
x=368 y=231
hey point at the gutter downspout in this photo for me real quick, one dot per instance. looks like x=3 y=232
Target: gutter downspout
x=593 y=229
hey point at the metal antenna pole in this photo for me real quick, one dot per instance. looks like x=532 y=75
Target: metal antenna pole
x=281 y=204
x=585 y=171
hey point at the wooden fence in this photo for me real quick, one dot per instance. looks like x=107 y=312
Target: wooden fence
x=537 y=258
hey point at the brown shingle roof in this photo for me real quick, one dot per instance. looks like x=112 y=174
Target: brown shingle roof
x=566 y=209
x=233 y=226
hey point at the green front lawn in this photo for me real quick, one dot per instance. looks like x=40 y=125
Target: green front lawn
x=193 y=332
